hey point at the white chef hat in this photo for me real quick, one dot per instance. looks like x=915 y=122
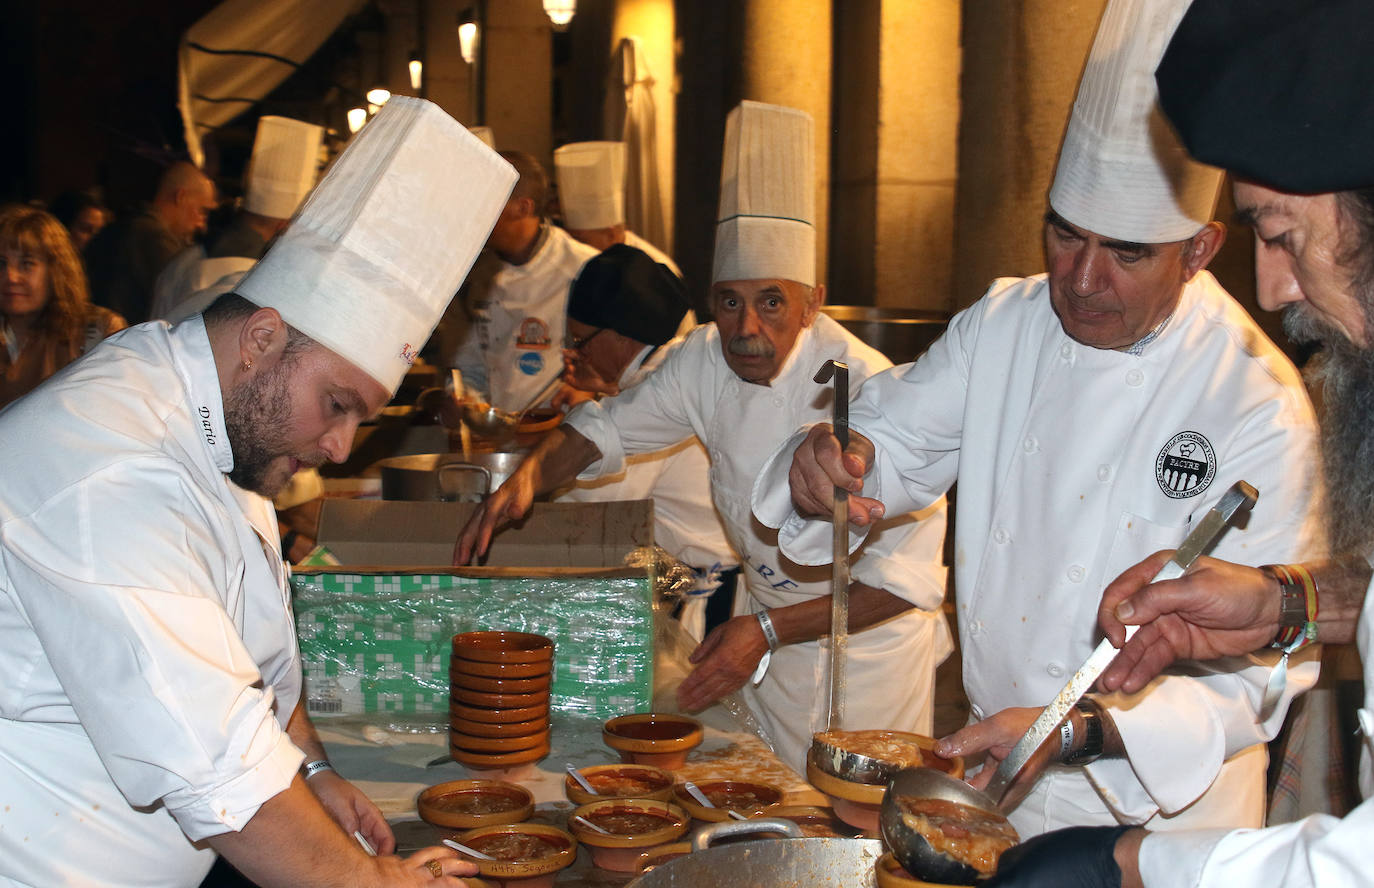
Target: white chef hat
x=486 y=134
x=591 y=183
x=765 y=226
x=1122 y=171
x=286 y=157
x=368 y=265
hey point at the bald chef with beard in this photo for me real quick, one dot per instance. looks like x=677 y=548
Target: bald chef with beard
x=739 y=385
x=151 y=714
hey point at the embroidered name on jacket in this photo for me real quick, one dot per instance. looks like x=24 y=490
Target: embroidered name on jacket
x=206 y=426
x=1186 y=465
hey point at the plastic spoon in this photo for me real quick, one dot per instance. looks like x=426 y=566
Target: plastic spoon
x=702 y=800
x=458 y=846
x=592 y=826
x=581 y=781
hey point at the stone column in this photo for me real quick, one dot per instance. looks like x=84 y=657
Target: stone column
x=518 y=83
x=652 y=21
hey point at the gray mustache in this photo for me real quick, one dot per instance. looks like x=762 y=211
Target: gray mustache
x=751 y=347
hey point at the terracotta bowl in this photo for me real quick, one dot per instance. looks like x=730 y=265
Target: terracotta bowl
x=636 y=781
x=891 y=875
x=660 y=855
x=497 y=729
x=748 y=798
x=536 y=422
x=557 y=851
x=471 y=743
x=815 y=821
x=652 y=738
x=493 y=761
x=466 y=804
x=858 y=803
x=500 y=685
x=499 y=701
x=620 y=852
x=497 y=716
x=483 y=669
x=503 y=647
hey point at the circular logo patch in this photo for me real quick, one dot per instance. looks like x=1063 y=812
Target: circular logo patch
x=1186 y=465
x=530 y=363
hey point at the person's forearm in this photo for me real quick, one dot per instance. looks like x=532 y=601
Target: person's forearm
x=559 y=457
x=302 y=732
x=1341 y=588
x=809 y=620
x=292 y=842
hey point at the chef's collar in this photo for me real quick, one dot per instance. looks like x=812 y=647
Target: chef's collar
x=634 y=370
x=541 y=240
x=202 y=379
x=1138 y=347
x=798 y=345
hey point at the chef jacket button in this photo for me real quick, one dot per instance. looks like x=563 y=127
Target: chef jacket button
x=1104 y=472
x=777 y=401
x=1055 y=670
x=1076 y=573
x=1030 y=445
x=1065 y=351
x=1134 y=377
x=1000 y=535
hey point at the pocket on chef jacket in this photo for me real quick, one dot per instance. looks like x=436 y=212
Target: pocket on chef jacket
x=1138 y=537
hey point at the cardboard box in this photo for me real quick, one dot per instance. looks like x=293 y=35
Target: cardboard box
x=375 y=630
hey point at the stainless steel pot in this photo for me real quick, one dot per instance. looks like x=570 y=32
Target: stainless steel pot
x=901 y=334
x=814 y=863
x=446 y=477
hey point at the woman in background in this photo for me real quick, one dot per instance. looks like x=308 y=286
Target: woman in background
x=46 y=317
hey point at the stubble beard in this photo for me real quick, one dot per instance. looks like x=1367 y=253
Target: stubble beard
x=255 y=415
x=1343 y=374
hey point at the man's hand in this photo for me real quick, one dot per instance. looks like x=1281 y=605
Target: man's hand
x=509 y=502
x=994 y=738
x=724 y=661
x=1078 y=857
x=1217 y=609
x=415 y=869
x=352 y=810
x=818 y=467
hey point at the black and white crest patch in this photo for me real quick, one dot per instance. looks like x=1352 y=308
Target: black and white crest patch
x=1186 y=465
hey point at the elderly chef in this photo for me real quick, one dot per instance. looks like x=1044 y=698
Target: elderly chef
x=624 y=308
x=740 y=385
x=505 y=334
x=1091 y=417
x=281 y=172
x=591 y=194
x=152 y=713
x=1239 y=83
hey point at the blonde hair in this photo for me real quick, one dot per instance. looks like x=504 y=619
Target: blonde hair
x=32 y=231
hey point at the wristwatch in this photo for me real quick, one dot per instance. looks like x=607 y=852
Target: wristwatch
x=1093 y=735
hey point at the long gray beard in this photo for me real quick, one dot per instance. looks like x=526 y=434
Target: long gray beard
x=1343 y=375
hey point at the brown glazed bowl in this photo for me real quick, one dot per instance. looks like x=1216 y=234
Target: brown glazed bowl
x=660 y=855
x=503 y=647
x=466 y=804
x=499 y=701
x=492 y=761
x=748 y=798
x=653 y=738
x=620 y=852
x=498 y=716
x=558 y=850
x=891 y=875
x=485 y=685
x=472 y=743
x=458 y=666
x=635 y=781
x=497 y=729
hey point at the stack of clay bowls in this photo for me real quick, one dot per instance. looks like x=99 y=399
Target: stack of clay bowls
x=499 y=708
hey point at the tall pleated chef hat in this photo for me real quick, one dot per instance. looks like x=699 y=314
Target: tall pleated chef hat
x=486 y=134
x=1122 y=171
x=286 y=157
x=765 y=226
x=369 y=263
x=1276 y=91
x=591 y=183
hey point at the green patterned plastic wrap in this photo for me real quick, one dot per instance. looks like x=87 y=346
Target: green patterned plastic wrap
x=381 y=642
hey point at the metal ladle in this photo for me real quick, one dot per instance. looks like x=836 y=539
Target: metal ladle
x=913 y=852
x=493 y=422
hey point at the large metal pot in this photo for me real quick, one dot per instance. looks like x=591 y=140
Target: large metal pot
x=814 y=863
x=446 y=477
x=901 y=334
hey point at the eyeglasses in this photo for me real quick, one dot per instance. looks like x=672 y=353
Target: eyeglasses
x=576 y=343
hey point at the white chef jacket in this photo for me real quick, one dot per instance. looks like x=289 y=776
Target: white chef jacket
x=1073 y=464
x=188 y=273
x=1316 y=851
x=146 y=633
x=515 y=344
x=686 y=523
x=662 y=258
x=891 y=666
